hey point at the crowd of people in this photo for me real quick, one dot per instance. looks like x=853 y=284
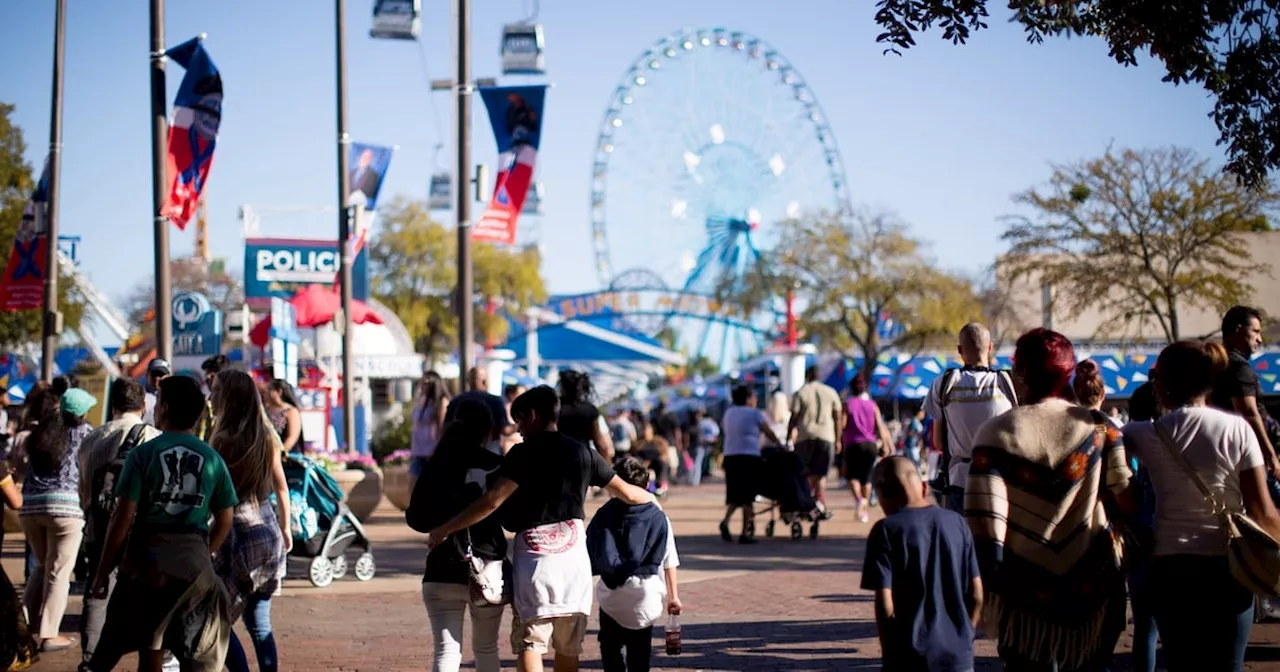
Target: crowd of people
x=175 y=513
x=1013 y=504
x=1051 y=517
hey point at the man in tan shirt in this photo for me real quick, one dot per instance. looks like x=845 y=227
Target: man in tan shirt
x=815 y=423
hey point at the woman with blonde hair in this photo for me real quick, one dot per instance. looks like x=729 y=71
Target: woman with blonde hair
x=250 y=562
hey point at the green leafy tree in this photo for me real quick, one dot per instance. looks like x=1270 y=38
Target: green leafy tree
x=1230 y=47
x=1138 y=236
x=16 y=183
x=848 y=273
x=414 y=273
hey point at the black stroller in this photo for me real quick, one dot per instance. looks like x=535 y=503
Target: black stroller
x=785 y=483
x=322 y=525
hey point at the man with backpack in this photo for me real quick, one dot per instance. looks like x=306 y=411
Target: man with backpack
x=102 y=455
x=959 y=401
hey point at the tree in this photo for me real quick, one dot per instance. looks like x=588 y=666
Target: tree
x=1139 y=236
x=224 y=291
x=1231 y=47
x=413 y=267
x=16 y=184
x=849 y=275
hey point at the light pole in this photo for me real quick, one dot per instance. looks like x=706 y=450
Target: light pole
x=159 y=131
x=52 y=325
x=462 y=94
x=344 y=229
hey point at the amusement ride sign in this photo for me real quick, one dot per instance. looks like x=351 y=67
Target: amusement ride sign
x=659 y=302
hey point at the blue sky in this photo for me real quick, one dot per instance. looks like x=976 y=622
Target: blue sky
x=942 y=136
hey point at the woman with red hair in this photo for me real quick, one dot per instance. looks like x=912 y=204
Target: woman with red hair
x=1034 y=500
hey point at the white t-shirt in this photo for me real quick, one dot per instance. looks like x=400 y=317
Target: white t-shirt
x=149 y=411
x=742 y=430
x=975 y=397
x=551 y=571
x=1219 y=445
x=640 y=601
x=708 y=431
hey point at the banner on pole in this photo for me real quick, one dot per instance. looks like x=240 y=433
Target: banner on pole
x=22 y=286
x=365 y=181
x=516 y=115
x=197 y=113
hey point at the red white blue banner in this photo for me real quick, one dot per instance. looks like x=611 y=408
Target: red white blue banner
x=516 y=115
x=22 y=286
x=197 y=113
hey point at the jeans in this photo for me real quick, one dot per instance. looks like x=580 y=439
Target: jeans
x=699 y=457
x=55 y=542
x=257 y=620
x=1204 y=614
x=614 y=638
x=1145 y=633
x=447 y=604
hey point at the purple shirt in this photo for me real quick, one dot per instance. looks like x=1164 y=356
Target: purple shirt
x=861 y=427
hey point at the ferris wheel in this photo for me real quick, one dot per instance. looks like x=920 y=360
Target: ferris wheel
x=709 y=141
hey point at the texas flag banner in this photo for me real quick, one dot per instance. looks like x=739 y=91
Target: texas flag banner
x=197 y=112
x=22 y=286
x=516 y=115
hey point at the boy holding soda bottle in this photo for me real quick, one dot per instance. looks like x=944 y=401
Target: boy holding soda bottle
x=633 y=551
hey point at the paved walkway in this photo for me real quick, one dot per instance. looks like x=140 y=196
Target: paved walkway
x=778 y=605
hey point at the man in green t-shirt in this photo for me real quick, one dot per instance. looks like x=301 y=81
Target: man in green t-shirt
x=167 y=595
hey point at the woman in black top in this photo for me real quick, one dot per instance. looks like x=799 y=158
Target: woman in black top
x=579 y=418
x=457 y=474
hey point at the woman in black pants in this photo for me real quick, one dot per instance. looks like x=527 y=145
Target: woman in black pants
x=743 y=424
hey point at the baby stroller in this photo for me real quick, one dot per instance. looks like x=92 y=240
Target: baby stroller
x=783 y=481
x=323 y=527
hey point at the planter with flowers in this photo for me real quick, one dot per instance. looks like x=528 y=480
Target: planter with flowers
x=397 y=484
x=359 y=477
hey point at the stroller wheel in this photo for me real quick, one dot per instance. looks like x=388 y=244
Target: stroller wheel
x=797 y=531
x=320 y=572
x=339 y=566
x=768 y=529
x=365 y=567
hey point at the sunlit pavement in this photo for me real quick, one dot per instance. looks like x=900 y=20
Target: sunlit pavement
x=777 y=605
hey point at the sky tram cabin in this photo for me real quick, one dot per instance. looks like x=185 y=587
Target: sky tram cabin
x=396 y=19
x=439 y=196
x=533 y=200
x=522 y=49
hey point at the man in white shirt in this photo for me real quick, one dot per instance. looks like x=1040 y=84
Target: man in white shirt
x=959 y=401
x=157 y=371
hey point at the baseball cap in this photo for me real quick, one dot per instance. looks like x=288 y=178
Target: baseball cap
x=159 y=366
x=77 y=402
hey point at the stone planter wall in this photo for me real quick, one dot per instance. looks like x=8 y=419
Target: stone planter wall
x=363 y=490
x=397 y=485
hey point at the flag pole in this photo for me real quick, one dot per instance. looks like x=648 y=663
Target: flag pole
x=462 y=95
x=159 y=131
x=344 y=230
x=52 y=324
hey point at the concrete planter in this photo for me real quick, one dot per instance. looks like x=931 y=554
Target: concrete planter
x=397 y=485
x=363 y=490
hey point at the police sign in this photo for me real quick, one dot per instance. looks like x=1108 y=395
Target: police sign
x=197 y=327
x=279 y=267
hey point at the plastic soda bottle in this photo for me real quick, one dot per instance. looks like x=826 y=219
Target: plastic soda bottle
x=673 y=636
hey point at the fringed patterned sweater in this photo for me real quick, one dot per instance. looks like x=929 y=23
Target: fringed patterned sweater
x=1041 y=534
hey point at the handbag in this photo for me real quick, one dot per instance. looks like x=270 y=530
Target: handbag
x=1252 y=554
x=486 y=579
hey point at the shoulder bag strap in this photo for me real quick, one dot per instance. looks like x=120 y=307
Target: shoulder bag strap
x=1167 y=439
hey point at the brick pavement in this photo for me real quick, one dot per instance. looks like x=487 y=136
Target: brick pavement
x=779 y=605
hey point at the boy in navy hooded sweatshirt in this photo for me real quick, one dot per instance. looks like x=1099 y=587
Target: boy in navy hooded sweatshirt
x=633 y=551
